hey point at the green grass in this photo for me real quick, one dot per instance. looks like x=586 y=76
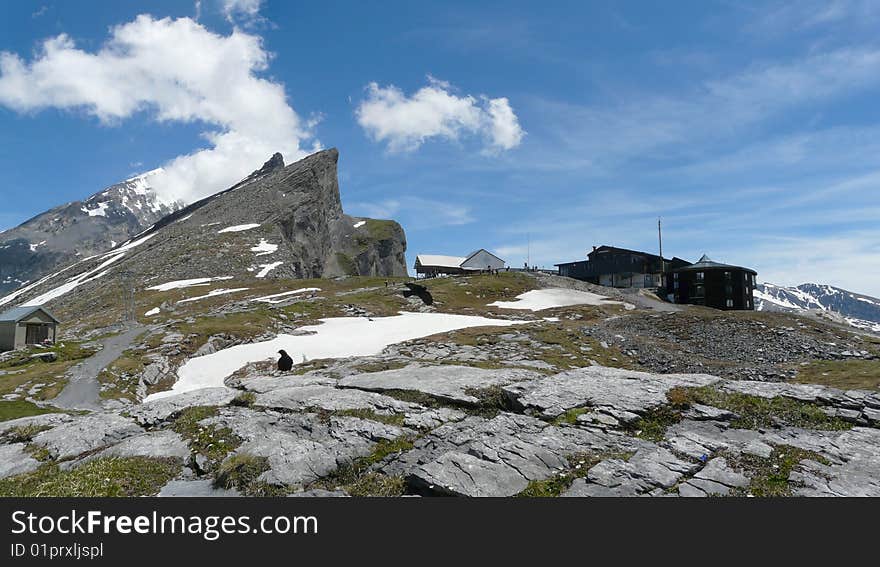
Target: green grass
x=376 y=485
x=210 y=441
x=66 y=351
x=653 y=423
x=362 y=413
x=842 y=374
x=564 y=345
x=570 y=417
x=346 y=264
x=22 y=433
x=756 y=412
x=769 y=475
x=382 y=229
x=19 y=408
x=240 y=472
x=25 y=372
x=113 y=477
x=244 y=399
x=470 y=293
x=120 y=378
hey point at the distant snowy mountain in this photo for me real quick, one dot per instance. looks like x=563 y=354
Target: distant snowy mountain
x=860 y=311
x=80 y=229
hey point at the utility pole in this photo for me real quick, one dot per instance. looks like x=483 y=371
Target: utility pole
x=528 y=250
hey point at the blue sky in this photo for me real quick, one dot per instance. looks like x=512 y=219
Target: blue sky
x=752 y=129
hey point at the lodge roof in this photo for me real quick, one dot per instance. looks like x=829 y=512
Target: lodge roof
x=16 y=314
x=706 y=263
x=440 y=261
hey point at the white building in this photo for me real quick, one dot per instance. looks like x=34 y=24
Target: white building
x=480 y=261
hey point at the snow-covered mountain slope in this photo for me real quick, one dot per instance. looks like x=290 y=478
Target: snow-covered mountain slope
x=60 y=236
x=279 y=222
x=860 y=311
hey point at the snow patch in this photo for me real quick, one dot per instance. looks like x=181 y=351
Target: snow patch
x=151 y=312
x=540 y=299
x=238 y=228
x=214 y=293
x=360 y=224
x=100 y=211
x=277 y=297
x=267 y=268
x=180 y=284
x=76 y=281
x=37 y=245
x=264 y=247
x=338 y=337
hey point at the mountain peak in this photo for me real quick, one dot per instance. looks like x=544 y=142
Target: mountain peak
x=274 y=162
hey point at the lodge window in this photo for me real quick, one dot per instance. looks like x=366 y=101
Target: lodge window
x=730 y=303
x=728 y=290
x=699 y=291
x=727 y=275
x=699 y=276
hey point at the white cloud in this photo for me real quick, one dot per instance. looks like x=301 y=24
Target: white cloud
x=174 y=71
x=434 y=111
x=245 y=10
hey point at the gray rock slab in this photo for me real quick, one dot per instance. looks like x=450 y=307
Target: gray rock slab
x=580 y=488
x=717 y=470
x=14 y=459
x=156 y=411
x=702 y=412
x=445 y=382
x=461 y=474
x=155 y=444
x=301 y=448
x=332 y=399
x=649 y=468
x=620 y=389
x=86 y=433
x=432 y=418
x=43 y=420
x=701 y=488
x=521 y=446
x=189 y=488
x=263 y=384
x=319 y=493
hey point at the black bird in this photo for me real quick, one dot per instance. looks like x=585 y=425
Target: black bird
x=285 y=363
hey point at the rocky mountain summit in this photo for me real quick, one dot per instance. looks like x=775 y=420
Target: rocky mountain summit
x=855 y=309
x=70 y=232
x=279 y=222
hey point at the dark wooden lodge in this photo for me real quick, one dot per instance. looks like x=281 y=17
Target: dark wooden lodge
x=712 y=284
x=618 y=267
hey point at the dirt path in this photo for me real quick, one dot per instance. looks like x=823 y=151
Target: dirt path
x=82 y=390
